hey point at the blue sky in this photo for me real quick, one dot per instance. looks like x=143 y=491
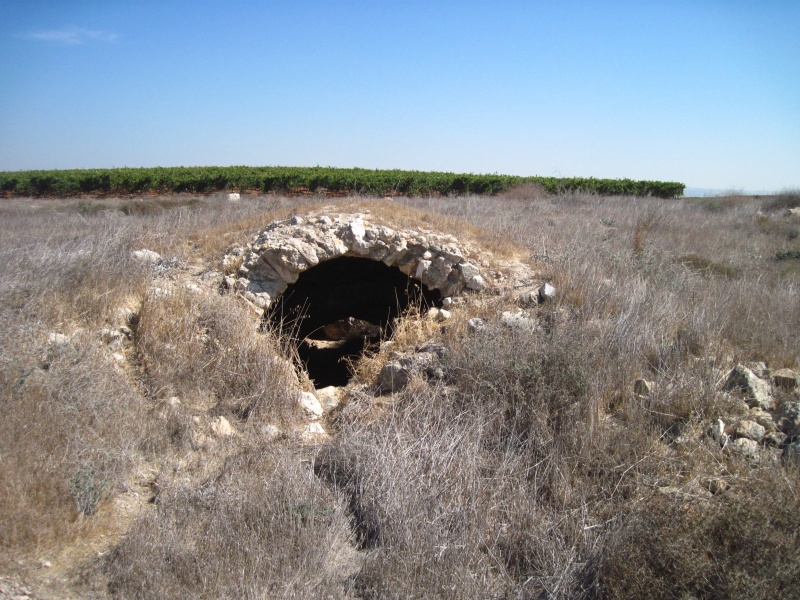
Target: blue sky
x=703 y=92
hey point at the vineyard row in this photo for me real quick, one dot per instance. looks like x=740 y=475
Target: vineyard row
x=163 y=180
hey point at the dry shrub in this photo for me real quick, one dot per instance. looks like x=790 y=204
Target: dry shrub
x=784 y=200
x=645 y=224
x=706 y=266
x=67 y=272
x=135 y=206
x=541 y=382
x=416 y=491
x=413 y=213
x=524 y=191
x=528 y=472
x=208 y=348
x=459 y=492
x=742 y=544
x=778 y=226
x=68 y=437
x=266 y=527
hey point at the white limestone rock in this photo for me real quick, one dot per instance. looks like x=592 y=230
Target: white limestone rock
x=221 y=427
x=475 y=325
x=146 y=257
x=546 y=292
x=750 y=430
x=785 y=379
x=745 y=447
x=717 y=432
x=476 y=284
x=788 y=416
x=329 y=397
x=757 y=391
x=310 y=405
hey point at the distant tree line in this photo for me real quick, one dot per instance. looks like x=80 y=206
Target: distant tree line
x=200 y=180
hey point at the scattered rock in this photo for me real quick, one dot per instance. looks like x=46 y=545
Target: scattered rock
x=329 y=397
x=468 y=271
x=546 y=292
x=58 y=340
x=788 y=416
x=763 y=418
x=758 y=367
x=146 y=257
x=791 y=453
x=475 y=324
x=310 y=404
x=444 y=315
x=717 y=432
x=434 y=314
x=758 y=391
x=745 y=448
x=750 y=430
x=314 y=433
x=393 y=377
x=785 y=379
x=270 y=431
x=221 y=427
x=476 y=284
x=775 y=439
x=315 y=428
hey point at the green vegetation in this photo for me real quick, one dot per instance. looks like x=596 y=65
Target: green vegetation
x=301 y=179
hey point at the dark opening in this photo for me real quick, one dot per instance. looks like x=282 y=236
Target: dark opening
x=341 y=308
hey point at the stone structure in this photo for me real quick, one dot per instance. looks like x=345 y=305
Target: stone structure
x=278 y=255
x=338 y=284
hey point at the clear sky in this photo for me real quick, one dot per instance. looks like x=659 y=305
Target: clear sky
x=703 y=92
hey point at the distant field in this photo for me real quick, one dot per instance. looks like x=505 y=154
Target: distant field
x=315 y=180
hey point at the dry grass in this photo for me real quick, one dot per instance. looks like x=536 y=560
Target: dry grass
x=530 y=471
x=265 y=527
x=234 y=368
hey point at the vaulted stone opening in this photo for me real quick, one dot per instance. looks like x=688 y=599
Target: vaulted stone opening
x=341 y=308
x=336 y=283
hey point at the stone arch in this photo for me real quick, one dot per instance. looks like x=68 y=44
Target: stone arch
x=319 y=273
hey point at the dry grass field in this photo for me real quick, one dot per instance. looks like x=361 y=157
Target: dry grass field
x=529 y=470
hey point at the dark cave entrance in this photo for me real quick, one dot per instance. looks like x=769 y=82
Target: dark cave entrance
x=342 y=308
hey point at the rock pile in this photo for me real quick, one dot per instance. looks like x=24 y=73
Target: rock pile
x=397 y=373
x=769 y=422
x=275 y=258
